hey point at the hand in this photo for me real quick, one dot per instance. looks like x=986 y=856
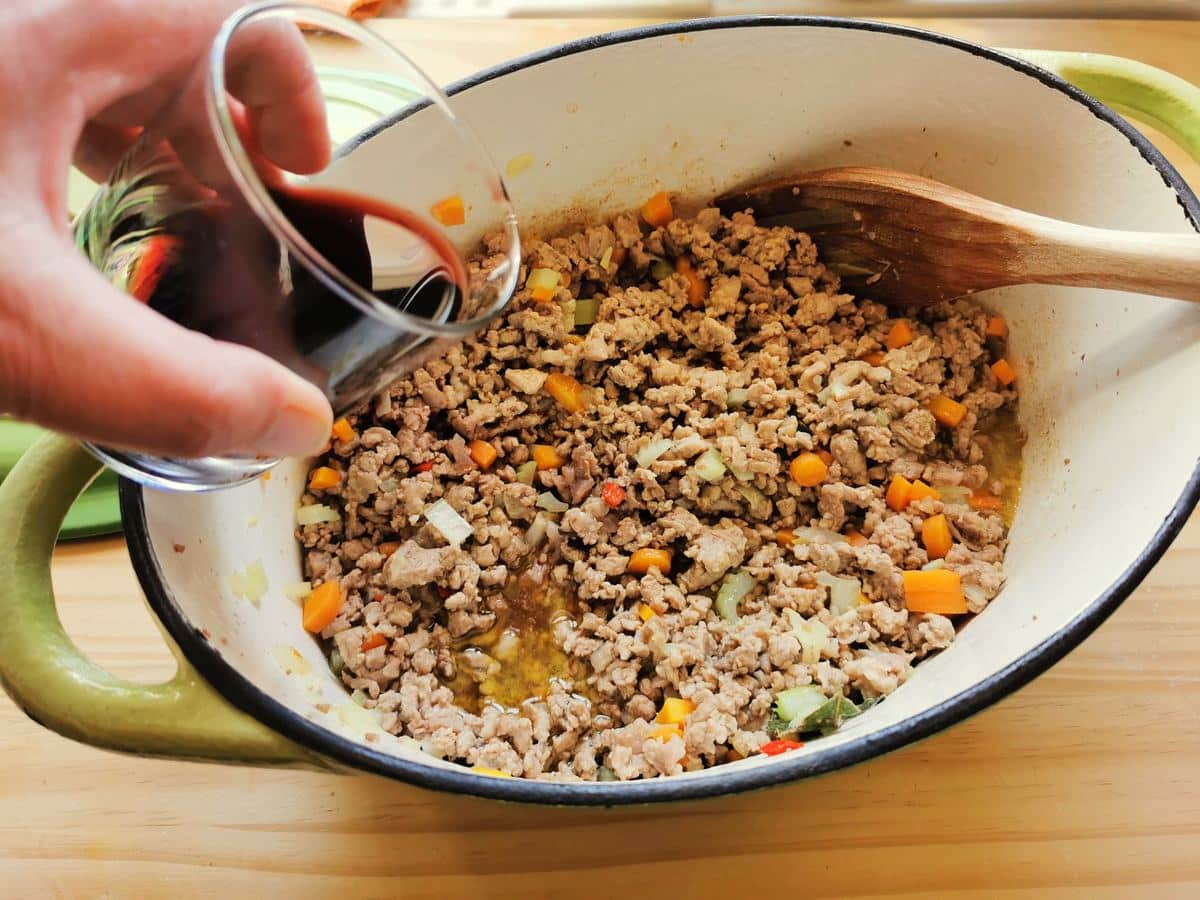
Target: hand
x=78 y=78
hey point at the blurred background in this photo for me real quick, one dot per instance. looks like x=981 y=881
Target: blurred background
x=1130 y=9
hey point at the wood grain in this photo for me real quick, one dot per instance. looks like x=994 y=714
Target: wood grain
x=1085 y=784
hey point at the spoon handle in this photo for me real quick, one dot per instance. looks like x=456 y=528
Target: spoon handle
x=1165 y=265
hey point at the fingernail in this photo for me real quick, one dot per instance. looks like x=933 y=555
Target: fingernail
x=297 y=431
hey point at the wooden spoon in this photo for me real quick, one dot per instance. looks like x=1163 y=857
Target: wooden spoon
x=906 y=240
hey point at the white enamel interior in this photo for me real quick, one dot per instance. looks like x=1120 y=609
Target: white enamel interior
x=1100 y=372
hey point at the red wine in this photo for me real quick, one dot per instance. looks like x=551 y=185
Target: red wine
x=218 y=269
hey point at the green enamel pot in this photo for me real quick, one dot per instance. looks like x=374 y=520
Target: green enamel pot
x=750 y=97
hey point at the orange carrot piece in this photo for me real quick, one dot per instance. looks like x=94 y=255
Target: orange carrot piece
x=542 y=294
x=323 y=478
x=984 y=500
x=566 y=390
x=546 y=457
x=874 y=359
x=785 y=537
x=899 y=493
x=935 y=535
x=322 y=606
x=665 y=732
x=657 y=211
x=997 y=327
x=266 y=476
x=697 y=287
x=934 y=591
x=483 y=453
x=449 y=210
x=826 y=456
x=808 y=470
x=646 y=612
x=900 y=335
x=674 y=711
x=375 y=640
x=947 y=411
x=856 y=539
x=647 y=558
x=344 y=431
x=612 y=494
x=387 y=548
x=920 y=490
x=1004 y=372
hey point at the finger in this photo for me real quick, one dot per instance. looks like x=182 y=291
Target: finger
x=78 y=356
x=269 y=70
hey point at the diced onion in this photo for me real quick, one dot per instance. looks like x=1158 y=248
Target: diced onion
x=882 y=417
x=710 y=467
x=759 y=505
x=812 y=634
x=336 y=663
x=737 y=397
x=315 y=514
x=251 y=583
x=933 y=564
x=606 y=258
x=733 y=590
x=526 y=471
x=537 y=531
x=843 y=592
x=653 y=451
x=547 y=501
x=297 y=590
x=976 y=596
x=546 y=279
x=453 y=527
x=817 y=535
x=953 y=494
x=586 y=311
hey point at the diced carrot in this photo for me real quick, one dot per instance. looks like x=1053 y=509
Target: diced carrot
x=546 y=457
x=785 y=537
x=322 y=606
x=646 y=612
x=997 y=327
x=900 y=335
x=947 y=411
x=375 y=640
x=487 y=770
x=826 y=456
x=542 y=294
x=323 y=478
x=449 y=210
x=266 y=476
x=920 y=490
x=934 y=591
x=984 y=500
x=387 y=548
x=675 y=711
x=612 y=494
x=899 y=493
x=874 y=359
x=423 y=466
x=567 y=391
x=657 y=210
x=935 y=535
x=343 y=431
x=1004 y=372
x=647 y=558
x=856 y=539
x=697 y=287
x=808 y=470
x=665 y=732
x=483 y=453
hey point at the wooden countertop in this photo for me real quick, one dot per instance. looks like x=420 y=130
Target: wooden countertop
x=1084 y=784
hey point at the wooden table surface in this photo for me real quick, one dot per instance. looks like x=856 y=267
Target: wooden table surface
x=1084 y=784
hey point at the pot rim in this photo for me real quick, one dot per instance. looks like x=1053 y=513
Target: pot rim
x=243 y=694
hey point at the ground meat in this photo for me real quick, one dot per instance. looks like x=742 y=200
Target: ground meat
x=534 y=645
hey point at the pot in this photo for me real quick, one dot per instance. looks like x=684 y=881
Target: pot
x=697 y=108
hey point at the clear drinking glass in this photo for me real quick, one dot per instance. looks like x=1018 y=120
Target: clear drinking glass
x=351 y=275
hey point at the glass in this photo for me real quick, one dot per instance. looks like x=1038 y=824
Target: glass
x=350 y=275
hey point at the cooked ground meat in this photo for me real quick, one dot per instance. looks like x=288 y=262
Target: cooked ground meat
x=541 y=646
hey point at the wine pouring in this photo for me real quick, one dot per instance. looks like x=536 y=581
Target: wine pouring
x=346 y=279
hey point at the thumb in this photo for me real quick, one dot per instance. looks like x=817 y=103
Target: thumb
x=78 y=356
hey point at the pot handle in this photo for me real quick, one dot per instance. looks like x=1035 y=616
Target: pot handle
x=1134 y=89
x=56 y=685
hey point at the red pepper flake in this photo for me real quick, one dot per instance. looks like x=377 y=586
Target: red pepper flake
x=612 y=494
x=423 y=467
x=774 y=748
x=443 y=592
x=378 y=597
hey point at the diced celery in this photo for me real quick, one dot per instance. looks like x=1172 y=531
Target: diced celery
x=733 y=590
x=796 y=704
x=586 y=311
x=526 y=471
